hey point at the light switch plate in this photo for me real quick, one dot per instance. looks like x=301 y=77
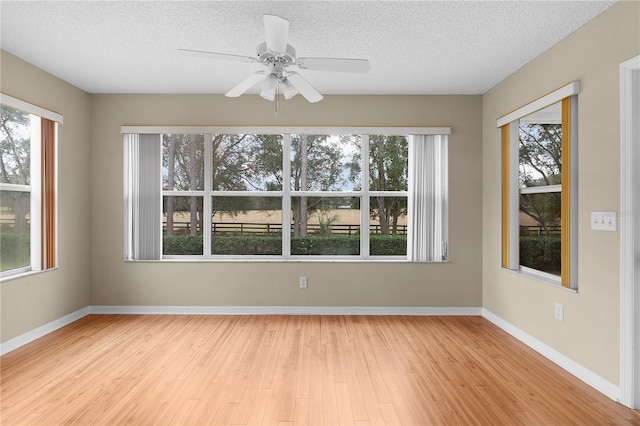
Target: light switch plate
x=603 y=221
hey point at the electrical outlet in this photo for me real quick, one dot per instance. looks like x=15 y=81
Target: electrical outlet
x=603 y=221
x=303 y=282
x=559 y=312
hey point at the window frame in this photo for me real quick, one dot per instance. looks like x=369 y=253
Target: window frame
x=509 y=125
x=286 y=193
x=43 y=188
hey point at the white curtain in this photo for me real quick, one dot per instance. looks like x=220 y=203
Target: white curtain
x=143 y=196
x=428 y=198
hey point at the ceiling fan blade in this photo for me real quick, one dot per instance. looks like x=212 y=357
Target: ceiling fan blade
x=277 y=32
x=215 y=55
x=288 y=89
x=334 y=64
x=304 y=87
x=245 y=85
x=269 y=87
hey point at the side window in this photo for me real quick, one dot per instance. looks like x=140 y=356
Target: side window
x=15 y=189
x=28 y=138
x=540 y=190
x=539 y=145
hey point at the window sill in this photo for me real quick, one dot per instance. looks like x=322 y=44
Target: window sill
x=541 y=277
x=278 y=260
x=18 y=275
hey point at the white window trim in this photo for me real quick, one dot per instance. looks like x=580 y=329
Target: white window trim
x=570 y=89
x=629 y=202
x=540 y=275
x=30 y=108
x=274 y=130
x=36 y=194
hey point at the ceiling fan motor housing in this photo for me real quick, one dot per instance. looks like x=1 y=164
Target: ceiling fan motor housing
x=287 y=58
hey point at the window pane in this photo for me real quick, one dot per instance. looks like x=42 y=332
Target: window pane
x=15 y=146
x=246 y=226
x=183 y=162
x=388 y=161
x=328 y=226
x=247 y=162
x=388 y=226
x=181 y=225
x=325 y=162
x=540 y=230
x=15 y=233
x=541 y=147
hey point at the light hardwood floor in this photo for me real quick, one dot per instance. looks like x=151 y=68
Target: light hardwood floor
x=292 y=370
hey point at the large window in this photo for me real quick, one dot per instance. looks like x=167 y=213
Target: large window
x=539 y=188
x=27 y=187
x=292 y=194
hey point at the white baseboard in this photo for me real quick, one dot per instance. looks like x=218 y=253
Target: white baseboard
x=589 y=377
x=287 y=310
x=43 y=330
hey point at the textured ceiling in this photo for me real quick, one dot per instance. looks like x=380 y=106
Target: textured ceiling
x=417 y=47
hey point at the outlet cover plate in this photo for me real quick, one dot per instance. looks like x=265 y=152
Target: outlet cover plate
x=559 y=312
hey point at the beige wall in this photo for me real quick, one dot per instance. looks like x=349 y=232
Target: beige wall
x=590 y=331
x=30 y=302
x=457 y=283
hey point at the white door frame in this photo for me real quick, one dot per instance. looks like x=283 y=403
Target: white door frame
x=629 y=223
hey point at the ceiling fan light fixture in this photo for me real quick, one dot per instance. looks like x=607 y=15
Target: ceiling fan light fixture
x=288 y=89
x=269 y=87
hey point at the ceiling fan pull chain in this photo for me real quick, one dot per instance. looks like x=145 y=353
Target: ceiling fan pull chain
x=277 y=97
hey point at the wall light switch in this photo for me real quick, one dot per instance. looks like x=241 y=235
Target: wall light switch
x=603 y=221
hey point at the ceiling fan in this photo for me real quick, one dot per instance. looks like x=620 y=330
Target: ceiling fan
x=279 y=57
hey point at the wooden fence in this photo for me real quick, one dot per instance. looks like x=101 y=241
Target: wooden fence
x=255 y=228
x=539 y=231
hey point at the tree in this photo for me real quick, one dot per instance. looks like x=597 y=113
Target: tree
x=245 y=163
x=15 y=162
x=388 y=172
x=541 y=165
x=239 y=163
x=15 y=158
x=183 y=169
x=318 y=163
x=170 y=164
x=252 y=162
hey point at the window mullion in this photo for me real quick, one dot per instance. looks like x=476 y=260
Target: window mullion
x=186 y=193
x=364 y=198
x=286 y=195
x=541 y=189
x=206 y=202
